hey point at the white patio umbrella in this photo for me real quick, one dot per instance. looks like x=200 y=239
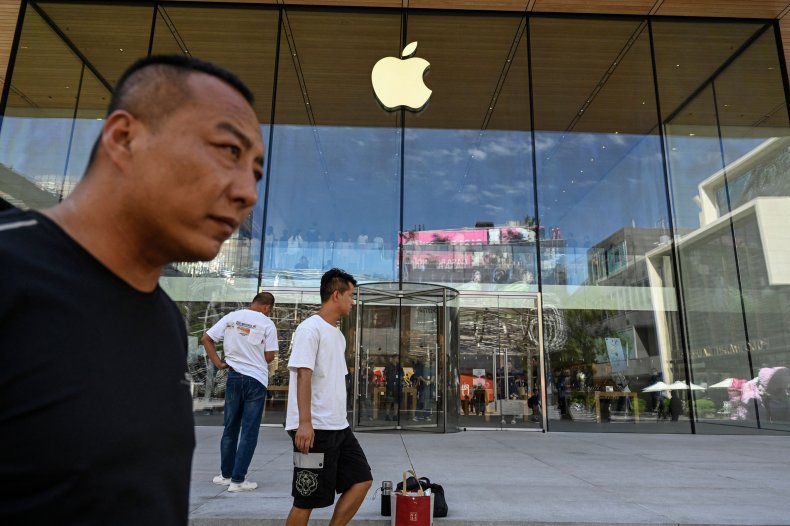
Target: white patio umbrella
x=683 y=385
x=658 y=386
x=724 y=384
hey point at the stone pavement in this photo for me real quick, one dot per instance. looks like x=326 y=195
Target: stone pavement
x=506 y=478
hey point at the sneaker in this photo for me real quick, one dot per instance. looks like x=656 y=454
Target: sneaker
x=242 y=486
x=222 y=481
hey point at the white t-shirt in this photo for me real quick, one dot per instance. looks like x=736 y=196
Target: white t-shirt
x=320 y=347
x=247 y=335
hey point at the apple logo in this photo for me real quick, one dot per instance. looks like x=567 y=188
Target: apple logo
x=398 y=83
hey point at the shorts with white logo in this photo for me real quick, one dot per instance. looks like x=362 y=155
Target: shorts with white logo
x=334 y=464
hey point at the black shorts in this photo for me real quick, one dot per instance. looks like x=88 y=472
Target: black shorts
x=317 y=478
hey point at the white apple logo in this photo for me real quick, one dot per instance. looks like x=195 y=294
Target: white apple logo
x=399 y=83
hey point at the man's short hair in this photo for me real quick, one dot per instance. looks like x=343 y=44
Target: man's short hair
x=155 y=86
x=335 y=280
x=264 y=298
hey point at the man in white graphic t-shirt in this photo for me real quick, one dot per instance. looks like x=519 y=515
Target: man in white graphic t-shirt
x=327 y=457
x=250 y=340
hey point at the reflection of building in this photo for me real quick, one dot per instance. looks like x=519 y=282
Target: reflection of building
x=735 y=294
x=482 y=255
x=593 y=129
x=618 y=261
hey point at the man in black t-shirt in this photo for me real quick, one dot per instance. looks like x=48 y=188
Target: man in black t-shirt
x=85 y=438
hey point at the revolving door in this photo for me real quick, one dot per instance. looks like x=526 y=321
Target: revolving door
x=406 y=357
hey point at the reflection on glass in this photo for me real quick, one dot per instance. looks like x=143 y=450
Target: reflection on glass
x=211 y=33
x=602 y=203
x=727 y=149
x=657 y=242
x=499 y=362
x=335 y=178
x=37 y=125
x=468 y=217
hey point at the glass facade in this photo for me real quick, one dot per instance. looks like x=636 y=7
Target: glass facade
x=609 y=195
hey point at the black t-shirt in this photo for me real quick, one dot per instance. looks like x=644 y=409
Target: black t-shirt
x=392 y=377
x=96 y=419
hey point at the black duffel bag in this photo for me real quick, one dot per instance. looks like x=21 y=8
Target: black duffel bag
x=439 y=502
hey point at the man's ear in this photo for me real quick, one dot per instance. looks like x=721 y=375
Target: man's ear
x=119 y=130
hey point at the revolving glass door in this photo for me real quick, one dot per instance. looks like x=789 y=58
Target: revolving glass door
x=406 y=357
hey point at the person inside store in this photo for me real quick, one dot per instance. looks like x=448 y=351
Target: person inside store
x=564 y=394
x=479 y=399
x=533 y=402
x=466 y=402
x=250 y=342
x=368 y=381
x=423 y=382
x=393 y=378
x=86 y=438
x=327 y=456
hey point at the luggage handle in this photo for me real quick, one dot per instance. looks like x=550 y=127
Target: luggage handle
x=420 y=492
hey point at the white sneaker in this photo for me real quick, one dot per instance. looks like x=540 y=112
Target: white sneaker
x=221 y=481
x=242 y=486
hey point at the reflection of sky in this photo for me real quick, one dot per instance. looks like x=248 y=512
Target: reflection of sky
x=37 y=147
x=591 y=185
x=346 y=180
x=455 y=178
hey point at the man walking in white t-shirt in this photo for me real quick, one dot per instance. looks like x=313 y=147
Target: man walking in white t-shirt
x=250 y=340
x=327 y=457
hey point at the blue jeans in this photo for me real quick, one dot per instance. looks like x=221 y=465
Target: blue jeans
x=244 y=398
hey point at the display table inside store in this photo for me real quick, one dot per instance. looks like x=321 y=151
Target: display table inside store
x=513 y=407
x=408 y=397
x=616 y=394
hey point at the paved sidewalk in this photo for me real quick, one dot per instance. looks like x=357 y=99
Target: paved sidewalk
x=530 y=478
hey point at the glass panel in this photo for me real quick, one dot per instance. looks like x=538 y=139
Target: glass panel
x=468 y=214
x=291 y=308
x=208 y=290
x=499 y=362
x=748 y=355
x=381 y=385
x=726 y=141
x=612 y=325
x=91 y=109
x=602 y=210
x=106 y=48
x=211 y=33
x=406 y=346
x=420 y=355
x=37 y=125
x=335 y=177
